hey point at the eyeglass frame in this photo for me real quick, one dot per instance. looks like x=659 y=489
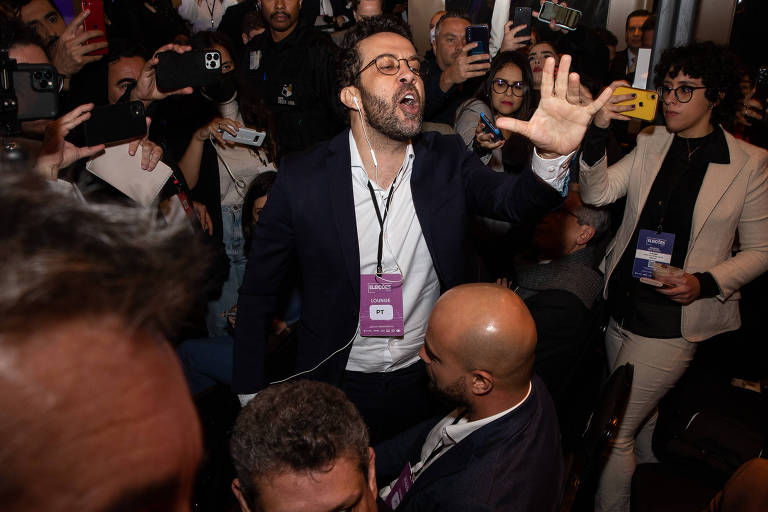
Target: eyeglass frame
x=417 y=72
x=693 y=88
x=523 y=86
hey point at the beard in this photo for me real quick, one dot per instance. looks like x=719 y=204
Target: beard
x=382 y=114
x=453 y=395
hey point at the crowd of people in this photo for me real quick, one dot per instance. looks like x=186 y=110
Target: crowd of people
x=398 y=275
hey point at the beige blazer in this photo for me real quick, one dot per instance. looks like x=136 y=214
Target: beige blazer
x=733 y=199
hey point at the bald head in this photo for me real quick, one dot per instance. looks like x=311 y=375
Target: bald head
x=487 y=327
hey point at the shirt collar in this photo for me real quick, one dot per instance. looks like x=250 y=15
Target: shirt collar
x=453 y=433
x=361 y=176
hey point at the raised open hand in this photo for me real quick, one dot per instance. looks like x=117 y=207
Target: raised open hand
x=561 y=119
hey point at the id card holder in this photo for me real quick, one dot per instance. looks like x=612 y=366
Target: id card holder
x=381 y=305
x=401 y=487
x=651 y=247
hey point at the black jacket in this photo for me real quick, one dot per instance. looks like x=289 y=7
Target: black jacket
x=310 y=213
x=296 y=77
x=511 y=464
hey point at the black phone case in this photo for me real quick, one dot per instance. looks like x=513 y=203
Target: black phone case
x=37 y=91
x=111 y=123
x=522 y=16
x=479 y=34
x=195 y=68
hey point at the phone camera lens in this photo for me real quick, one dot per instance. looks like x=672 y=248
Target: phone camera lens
x=47 y=75
x=37 y=75
x=208 y=57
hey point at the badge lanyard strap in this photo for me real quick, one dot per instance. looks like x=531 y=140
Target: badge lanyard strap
x=381 y=220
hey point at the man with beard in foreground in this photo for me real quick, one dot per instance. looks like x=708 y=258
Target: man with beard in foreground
x=500 y=448
x=376 y=220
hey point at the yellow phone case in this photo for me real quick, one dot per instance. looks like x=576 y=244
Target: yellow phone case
x=645 y=102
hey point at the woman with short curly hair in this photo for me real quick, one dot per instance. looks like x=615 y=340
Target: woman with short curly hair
x=691 y=188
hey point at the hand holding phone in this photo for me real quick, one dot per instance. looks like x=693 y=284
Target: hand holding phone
x=489 y=128
x=481 y=35
x=559 y=15
x=645 y=102
x=522 y=16
x=195 y=68
x=95 y=21
x=73 y=51
x=109 y=124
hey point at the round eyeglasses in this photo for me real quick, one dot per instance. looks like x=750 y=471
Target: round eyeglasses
x=500 y=86
x=390 y=65
x=683 y=94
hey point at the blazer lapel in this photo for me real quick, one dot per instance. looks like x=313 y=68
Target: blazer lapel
x=422 y=191
x=716 y=181
x=342 y=205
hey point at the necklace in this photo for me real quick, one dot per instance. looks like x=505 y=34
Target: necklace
x=688 y=147
x=210 y=10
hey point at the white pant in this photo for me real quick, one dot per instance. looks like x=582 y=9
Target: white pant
x=659 y=364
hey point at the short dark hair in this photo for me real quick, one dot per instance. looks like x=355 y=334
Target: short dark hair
x=123 y=48
x=18 y=5
x=450 y=14
x=649 y=23
x=63 y=259
x=14 y=33
x=719 y=70
x=253 y=20
x=635 y=14
x=351 y=61
x=259 y=187
x=301 y=426
x=605 y=36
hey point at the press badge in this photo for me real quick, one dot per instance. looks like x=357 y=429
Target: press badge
x=381 y=305
x=651 y=247
x=401 y=487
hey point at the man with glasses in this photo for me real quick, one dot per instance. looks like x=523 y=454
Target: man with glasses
x=376 y=220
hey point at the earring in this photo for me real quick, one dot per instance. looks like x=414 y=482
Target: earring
x=710 y=106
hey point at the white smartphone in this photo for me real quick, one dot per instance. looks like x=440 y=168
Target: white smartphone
x=246 y=136
x=565 y=17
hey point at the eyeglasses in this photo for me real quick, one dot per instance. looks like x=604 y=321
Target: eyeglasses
x=390 y=65
x=500 y=86
x=684 y=93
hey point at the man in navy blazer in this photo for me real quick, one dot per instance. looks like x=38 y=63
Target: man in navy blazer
x=326 y=211
x=500 y=448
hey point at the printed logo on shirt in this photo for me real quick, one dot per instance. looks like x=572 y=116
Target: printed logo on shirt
x=287 y=94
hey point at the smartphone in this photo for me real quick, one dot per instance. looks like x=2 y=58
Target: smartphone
x=564 y=17
x=522 y=16
x=111 y=123
x=37 y=91
x=490 y=128
x=245 y=136
x=480 y=35
x=645 y=102
x=194 y=68
x=95 y=21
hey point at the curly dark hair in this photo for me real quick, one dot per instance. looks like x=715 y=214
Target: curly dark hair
x=719 y=70
x=350 y=61
x=301 y=426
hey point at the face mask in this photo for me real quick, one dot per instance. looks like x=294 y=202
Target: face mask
x=432 y=35
x=224 y=90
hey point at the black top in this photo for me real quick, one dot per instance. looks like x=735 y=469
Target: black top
x=668 y=208
x=440 y=107
x=296 y=77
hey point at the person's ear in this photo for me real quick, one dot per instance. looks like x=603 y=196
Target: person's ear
x=238 y=492
x=348 y=95
x=372 y=472
x=482 y=382
x=244 y=36
x=434 y=46
x=586 y=233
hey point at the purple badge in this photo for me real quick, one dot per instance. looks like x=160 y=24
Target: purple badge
x=381 y=305
x=396 y=494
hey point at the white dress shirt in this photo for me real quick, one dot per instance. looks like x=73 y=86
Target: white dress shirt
x=405 y=252
x=448 y=432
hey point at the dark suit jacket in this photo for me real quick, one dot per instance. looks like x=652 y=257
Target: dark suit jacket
x=511 y=464
x=310 y=213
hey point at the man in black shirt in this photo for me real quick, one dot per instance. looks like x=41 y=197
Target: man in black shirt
x=292 y=68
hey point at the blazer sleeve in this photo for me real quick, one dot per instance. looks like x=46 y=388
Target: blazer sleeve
x=268 y=262
x=752 y=258
x=600 y=184
x=501 y=196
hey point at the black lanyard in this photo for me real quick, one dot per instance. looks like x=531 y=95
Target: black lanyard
x=381 y=220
